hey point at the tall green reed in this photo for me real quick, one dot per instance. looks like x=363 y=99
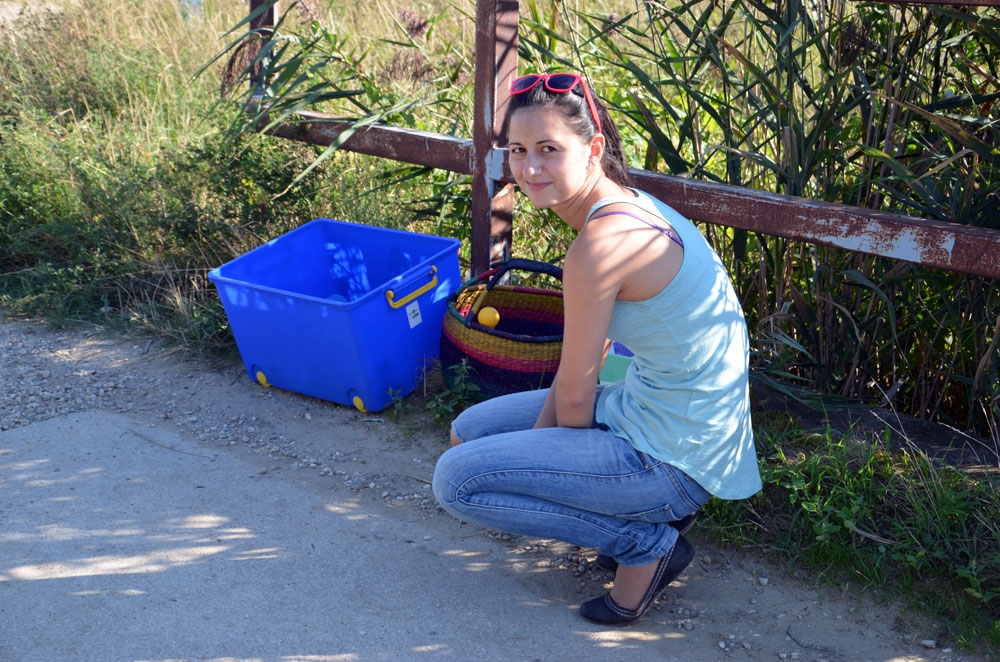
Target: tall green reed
x=288 y=68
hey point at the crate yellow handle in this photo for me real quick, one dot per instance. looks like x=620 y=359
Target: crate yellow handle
x=390 y=295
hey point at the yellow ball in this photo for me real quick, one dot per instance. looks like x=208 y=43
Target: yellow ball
x=488 y=316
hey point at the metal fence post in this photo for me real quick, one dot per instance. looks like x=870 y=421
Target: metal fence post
x=496 y=65
x=264 y=21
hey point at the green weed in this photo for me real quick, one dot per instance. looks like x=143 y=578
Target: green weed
x=458 y=393
x=854 y=510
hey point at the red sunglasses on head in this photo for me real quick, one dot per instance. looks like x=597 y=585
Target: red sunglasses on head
x=558 y=84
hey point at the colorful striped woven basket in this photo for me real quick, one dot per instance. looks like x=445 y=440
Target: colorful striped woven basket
x=522 y=352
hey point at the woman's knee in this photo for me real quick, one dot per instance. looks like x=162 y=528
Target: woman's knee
x=507 y=413
x=444 y=484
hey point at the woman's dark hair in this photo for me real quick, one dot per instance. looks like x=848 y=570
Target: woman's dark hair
x=573 y=106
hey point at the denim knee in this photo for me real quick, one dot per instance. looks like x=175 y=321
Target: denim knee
x=444 y=488
x=508 y=413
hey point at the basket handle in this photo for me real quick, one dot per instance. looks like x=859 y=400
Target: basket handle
x=497 y=271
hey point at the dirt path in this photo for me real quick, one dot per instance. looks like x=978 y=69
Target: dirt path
x=729 y=605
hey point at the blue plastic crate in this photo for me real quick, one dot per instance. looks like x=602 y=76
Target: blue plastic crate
x=344 y=312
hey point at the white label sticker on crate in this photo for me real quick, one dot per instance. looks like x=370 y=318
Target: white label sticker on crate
x=413 y=314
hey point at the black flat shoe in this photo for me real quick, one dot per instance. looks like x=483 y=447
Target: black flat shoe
x=683 y=525
x=605 y=611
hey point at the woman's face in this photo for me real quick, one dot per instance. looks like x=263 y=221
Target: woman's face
x=548 y=160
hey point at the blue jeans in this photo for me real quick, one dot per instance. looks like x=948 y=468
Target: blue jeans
x=586 y=487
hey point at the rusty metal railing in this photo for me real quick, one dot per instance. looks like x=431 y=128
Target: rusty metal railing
x=959 y=248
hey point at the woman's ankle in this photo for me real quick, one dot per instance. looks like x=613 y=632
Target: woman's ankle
x=631 y=584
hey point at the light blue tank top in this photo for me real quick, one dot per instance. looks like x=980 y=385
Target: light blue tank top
x=685 y=398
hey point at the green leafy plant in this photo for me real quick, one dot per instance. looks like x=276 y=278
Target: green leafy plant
x=459 y=393
x=857 y=510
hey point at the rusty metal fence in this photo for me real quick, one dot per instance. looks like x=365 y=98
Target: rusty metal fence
x=938 y=244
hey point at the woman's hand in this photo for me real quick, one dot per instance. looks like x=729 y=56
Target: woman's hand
x=547 y=417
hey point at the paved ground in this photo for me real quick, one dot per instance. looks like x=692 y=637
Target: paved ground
x=126 y=543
